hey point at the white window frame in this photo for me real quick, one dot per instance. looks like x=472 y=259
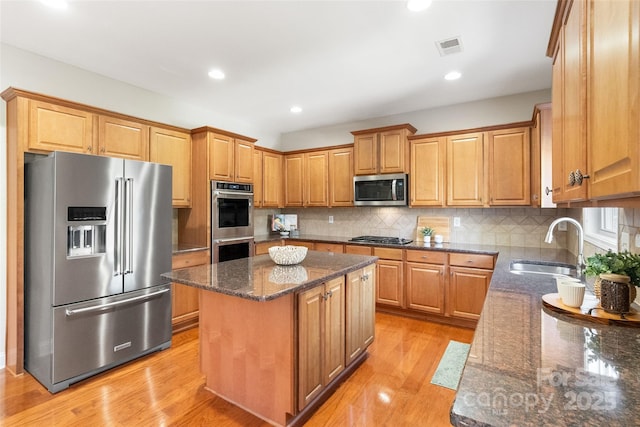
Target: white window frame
x=595 y=222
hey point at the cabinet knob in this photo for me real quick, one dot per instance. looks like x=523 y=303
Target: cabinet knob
x=572 y=179
x=579 y=176
x=547 y=190
x=90 y=149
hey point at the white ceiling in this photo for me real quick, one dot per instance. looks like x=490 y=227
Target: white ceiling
x=339 y=60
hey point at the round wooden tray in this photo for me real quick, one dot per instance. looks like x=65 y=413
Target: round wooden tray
x=591 y=310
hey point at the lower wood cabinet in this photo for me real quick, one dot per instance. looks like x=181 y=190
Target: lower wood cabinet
x=262 y=248
x=185 y=307
x=321 y=338
x=360 y=311
x=336 y=248
x=390 y=277
x=469 y=278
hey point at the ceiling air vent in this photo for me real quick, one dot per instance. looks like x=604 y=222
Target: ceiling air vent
x=449 y=46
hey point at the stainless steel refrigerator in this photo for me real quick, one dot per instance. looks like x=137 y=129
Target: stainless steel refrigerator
x=97 y=238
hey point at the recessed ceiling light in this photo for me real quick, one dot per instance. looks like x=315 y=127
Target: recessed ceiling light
x=296 y=109
x=216 y=74
x=55 y=4
x=452 y=75
x=418 y=5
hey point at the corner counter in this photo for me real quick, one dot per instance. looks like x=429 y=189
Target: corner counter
x=528 y=366
x=278 y=340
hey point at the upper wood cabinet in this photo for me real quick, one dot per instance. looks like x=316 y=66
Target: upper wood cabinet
x=54 y=127
x=465 y=170
x=258 y=182
x=596 y=52
x=307 y=179
x=382 y=150
x=614 y=89
x=427 y=176
x=569 y=111
x=230 y=155
x=341 y=177
x=272 y=180
x=509 y=158
x=124 y=138
x=541 y=158
x=173 y=148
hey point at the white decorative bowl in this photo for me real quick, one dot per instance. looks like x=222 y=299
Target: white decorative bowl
x=287 y=255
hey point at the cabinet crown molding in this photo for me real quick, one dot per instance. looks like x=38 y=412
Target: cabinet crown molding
x=222 y=132
x=407 y=126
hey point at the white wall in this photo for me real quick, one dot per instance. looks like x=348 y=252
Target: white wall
x=34 y=73
x=495 y=111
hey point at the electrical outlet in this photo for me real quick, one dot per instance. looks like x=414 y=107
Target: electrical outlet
x=330 y=219
x=562 y=226
x=456 y=221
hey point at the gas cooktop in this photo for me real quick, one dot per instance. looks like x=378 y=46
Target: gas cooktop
x=381 y=240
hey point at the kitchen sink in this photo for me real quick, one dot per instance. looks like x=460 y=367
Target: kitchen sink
x=541 y=267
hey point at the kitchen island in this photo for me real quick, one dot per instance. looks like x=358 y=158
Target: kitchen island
x=277 y=340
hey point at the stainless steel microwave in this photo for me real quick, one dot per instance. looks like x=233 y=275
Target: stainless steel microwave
x=380 y=190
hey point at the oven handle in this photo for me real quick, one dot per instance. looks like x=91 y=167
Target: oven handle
x=230 y=193
x=236 y=239
x=101 y=307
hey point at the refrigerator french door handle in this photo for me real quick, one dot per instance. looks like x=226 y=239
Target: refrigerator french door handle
x=128 y=234
x=118 y=228
x=70 y=312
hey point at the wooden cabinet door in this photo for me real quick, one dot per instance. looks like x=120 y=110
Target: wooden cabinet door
x=465 y=170
x=614 y=90
x=336 y=248
x=341 y=177
x=263 y=247
x=53 y=127
x=243 y=164
x=389 y=282
x=425 y=287
x=360 y=311
x=393 y=151
x=427 y=174
x=467 y=291
x=257 y=179
x=185 y=303
x=173 y=148
x=365 y=159
x=293 y=180
x=321 y=338
x=221 y=157
x=310 y=341
x=123 y=138
x=573 y=116
x=334 y=330
x=316 y=172
x=509 y=167
x=272 y=180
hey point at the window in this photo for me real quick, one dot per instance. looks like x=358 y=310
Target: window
x=601 y=227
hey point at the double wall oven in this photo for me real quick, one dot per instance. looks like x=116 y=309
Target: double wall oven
x=231 y=221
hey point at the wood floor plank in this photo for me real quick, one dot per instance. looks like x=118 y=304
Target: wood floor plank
x=392 y=387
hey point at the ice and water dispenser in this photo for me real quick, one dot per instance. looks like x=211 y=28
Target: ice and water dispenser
x=87 y=234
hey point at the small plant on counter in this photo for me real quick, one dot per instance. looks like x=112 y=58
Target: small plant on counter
x=426 y=231
x=625 y=263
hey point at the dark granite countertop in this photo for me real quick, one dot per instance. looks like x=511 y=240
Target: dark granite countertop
x=259 y=278
x=531 y=367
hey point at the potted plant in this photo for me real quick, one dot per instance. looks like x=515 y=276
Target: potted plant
x=625 y=263
x=426 y=234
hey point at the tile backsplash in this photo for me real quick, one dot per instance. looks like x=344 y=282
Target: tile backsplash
x=493 y=226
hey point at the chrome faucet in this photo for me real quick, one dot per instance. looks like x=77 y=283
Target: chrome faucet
x=549 y=238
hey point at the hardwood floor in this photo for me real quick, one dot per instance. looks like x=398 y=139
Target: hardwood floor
x=392 y=387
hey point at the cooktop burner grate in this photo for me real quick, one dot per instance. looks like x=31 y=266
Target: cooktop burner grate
x=381 y=240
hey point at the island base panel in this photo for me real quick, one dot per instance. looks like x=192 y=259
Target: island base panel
x=247 y=353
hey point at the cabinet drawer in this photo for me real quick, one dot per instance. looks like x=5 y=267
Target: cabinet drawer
x=430 y=257
x=388 y=253
x=263 y=247
x=472 y=260
x=190 y=259
x=309 y=245
x=357 y=249
x=337 y=248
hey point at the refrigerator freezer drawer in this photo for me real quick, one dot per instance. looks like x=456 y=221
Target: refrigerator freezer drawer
x=95 y=336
